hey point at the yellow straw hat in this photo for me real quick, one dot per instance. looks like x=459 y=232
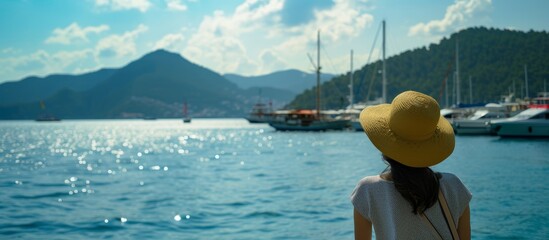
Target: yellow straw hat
x=410 y=130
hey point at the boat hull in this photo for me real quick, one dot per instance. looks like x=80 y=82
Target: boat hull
x=527 y=128
x=472 y=127
x=355 y=125
x=318 y=125
x=256 y=119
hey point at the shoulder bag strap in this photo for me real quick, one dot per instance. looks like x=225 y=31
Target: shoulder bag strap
x=434 y=231
x=448 y=215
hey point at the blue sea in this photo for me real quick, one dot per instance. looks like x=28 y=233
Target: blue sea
x=228 y=179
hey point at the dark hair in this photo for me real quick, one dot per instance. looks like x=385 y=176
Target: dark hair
x=419 y=186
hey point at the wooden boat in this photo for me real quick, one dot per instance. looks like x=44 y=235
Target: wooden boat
x=308 y=120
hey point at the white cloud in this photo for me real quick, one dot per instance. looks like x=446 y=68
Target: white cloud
x=343 y=20
x=170 y=41
x=176 y=5
x=226 y=54
x=217 y=44
x=271 y=61
x=64 y=59
x=221 y=42
x=117 y=5
x=73 y=33
x=119 y=45
x=42 y=62
x=455 y=14
x=9 y=50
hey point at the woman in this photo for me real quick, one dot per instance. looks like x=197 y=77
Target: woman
x=403 y=201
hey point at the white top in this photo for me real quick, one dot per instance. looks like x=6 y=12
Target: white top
x=391 y=215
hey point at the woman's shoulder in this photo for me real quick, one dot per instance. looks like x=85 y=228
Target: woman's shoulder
x=452 y=183
x=371 y=183
x=370 y=186
x=449 y=178
x=369 y=180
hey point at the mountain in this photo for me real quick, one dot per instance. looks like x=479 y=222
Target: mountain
x=493 y=58
x=292 y=80
x=155 y=85
x=32 y=89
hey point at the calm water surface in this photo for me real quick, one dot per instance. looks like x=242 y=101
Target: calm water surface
x=227 y=179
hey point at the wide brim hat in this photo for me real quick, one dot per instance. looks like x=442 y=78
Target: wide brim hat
x=410 y=130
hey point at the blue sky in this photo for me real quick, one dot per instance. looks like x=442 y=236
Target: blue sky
x=247 y=37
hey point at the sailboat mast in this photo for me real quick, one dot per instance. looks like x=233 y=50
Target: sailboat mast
x=446 y=92
x=470 y=90
x=318 y=74
x=458 y=91
x=384 y=76
x=526 y=79
x=351 y=97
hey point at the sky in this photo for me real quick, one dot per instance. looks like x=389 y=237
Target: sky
x=246 y=37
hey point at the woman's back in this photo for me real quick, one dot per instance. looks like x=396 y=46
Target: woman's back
x=378 y=201
x=412 y=136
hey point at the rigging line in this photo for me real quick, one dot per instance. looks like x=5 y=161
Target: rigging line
x=338 y=91
x=374 y=72
x=329 y=59
x=368 y=61
x=444 y=81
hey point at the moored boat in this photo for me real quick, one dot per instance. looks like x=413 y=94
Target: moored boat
x=46 y=116
x=533 y=122
x=479 y=122
x=186 y=117
x=308 y=120
x=352 y=112
x=261 y=113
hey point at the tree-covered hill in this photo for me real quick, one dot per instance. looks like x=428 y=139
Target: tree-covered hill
x=494 y=60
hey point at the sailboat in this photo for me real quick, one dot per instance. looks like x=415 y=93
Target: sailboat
x=457 y=110
x=308 y=120
x=261 y=112
x=46 y=116
x=354 y=109
x=186 y=118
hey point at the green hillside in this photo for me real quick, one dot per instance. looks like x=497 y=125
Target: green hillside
x=493 y=58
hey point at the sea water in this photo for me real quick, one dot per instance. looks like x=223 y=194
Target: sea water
x=228 y=179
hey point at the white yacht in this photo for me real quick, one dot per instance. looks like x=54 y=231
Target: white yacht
x=479 y=122
x=533 y=122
